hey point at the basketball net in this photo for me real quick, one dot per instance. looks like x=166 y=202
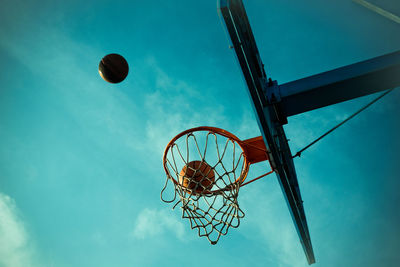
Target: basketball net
x=206 y=167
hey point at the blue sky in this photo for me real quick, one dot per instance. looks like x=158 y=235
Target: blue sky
x=80 y=159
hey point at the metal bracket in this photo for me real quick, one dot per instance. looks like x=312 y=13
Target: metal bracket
x=272 y=91
x=273 y=94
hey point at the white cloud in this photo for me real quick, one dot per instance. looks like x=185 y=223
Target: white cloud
x=99 y=238
x=175 y=106
x=247 y=126
x=93 y=104
x=268 y=221
x=152 y=223
x=15 y=247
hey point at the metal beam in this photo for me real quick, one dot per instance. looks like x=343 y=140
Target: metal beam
x=242 y=38
x=338 y=85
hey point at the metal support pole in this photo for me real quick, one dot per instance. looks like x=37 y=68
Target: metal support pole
x=341 y=84
x=239 y=29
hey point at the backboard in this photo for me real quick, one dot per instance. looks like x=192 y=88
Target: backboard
x=263 y=95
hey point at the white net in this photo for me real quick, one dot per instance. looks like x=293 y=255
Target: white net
x=206 y=169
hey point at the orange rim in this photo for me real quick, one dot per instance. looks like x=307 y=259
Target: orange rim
x=219 y=131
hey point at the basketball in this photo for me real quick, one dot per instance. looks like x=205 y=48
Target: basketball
x=198 y=176
x=113 y=68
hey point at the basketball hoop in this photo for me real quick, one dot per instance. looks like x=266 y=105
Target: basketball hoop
x=207 y=166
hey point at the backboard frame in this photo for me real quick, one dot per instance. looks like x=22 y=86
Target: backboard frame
x=266 y=108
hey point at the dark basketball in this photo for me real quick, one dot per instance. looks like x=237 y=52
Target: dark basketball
x=197 y=175
x=113 y=68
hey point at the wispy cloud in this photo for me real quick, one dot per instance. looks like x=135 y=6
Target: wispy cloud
x=15 y=247
x=68 y=69
x=153 y=223
x=174 y=106
x=268 y=221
